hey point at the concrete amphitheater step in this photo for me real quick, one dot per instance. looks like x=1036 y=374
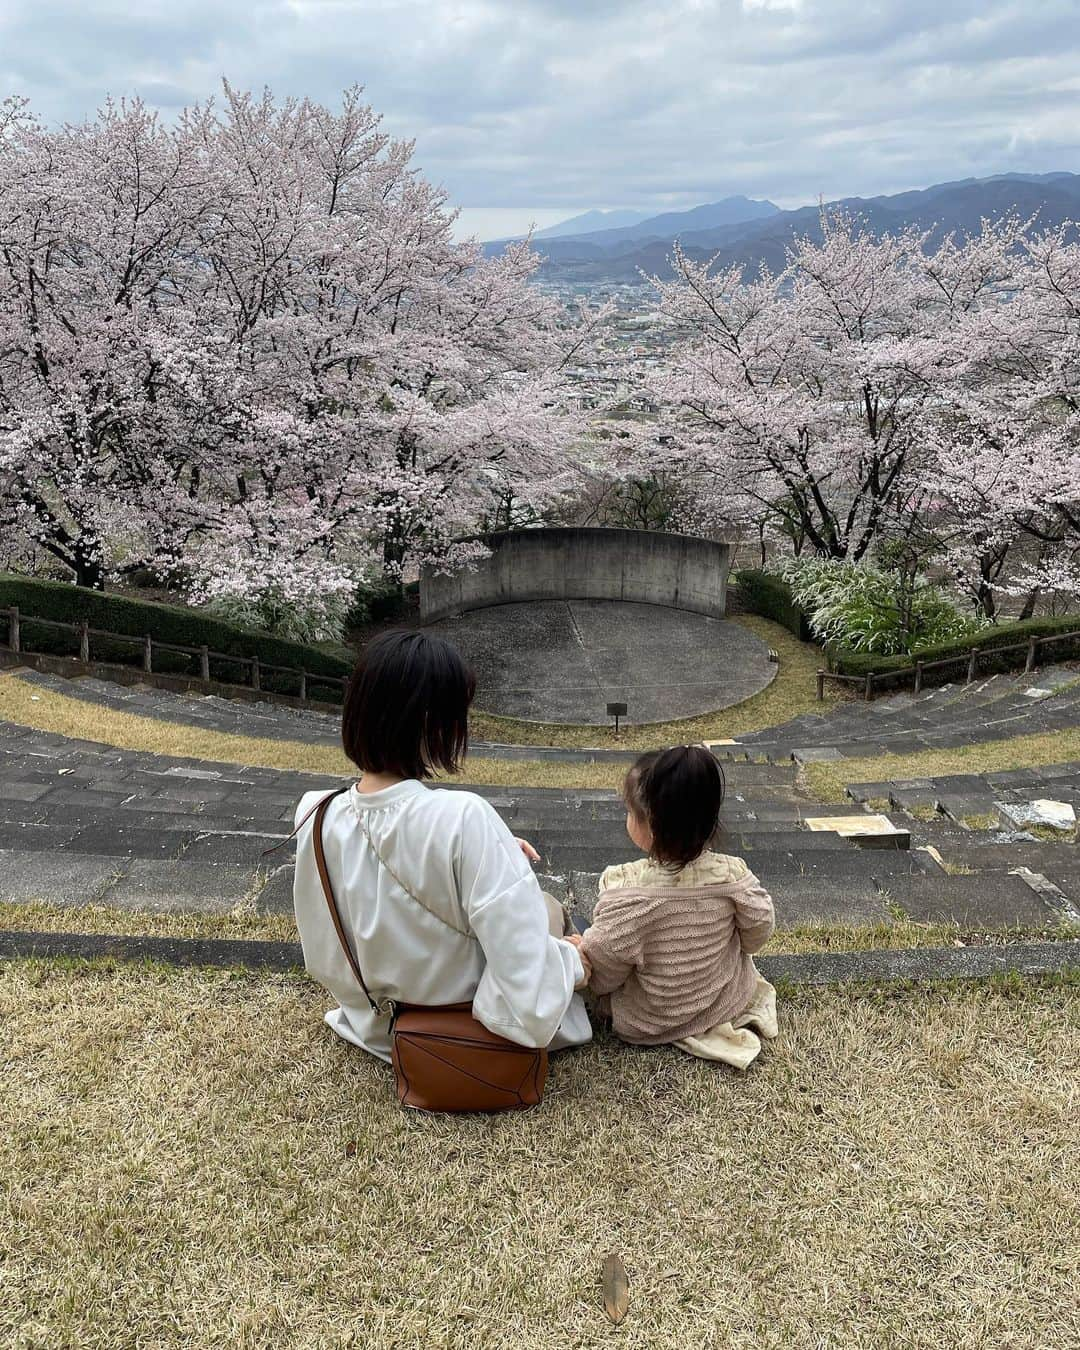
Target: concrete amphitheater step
x=961 y=796
x=81 y=823
x=990 y=859
x=952 y=715
x=997 y=900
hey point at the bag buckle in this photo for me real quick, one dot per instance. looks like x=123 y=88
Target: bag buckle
x=386 y=1007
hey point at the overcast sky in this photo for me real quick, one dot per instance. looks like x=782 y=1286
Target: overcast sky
x=532 y=110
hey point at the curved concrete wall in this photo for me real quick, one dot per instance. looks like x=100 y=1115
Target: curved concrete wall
x=677 y=570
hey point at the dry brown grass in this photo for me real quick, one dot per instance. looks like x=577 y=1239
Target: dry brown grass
x=38 y=916
x=243 y=923
x=903 y=933
x=31 y=706
x=827 y=781
x=191 y=1159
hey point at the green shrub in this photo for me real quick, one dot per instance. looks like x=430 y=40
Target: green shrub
x=864 y=608
x=847 y=662
x=121 y=614
x=767 y=595
x=382 y=602
x=269 y=611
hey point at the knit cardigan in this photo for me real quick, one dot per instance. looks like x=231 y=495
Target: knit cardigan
x=672 y=948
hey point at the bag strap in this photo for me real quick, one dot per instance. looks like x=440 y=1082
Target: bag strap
x=300 y=824
x=463 y=932
x=386 y=1007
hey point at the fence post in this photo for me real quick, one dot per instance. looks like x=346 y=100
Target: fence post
x=820 y=685
x=918 y=677
x=868 y=685
x=148 y=654
x=1029 y=664
x=971 y=665
x=13 y=628
x=255 y=684
x=84 y=641
x=303 y=686
x=204 y=661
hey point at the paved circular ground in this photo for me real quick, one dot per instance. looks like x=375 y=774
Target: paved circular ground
x=565 y=660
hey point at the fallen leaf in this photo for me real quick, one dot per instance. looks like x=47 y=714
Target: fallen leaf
x=350 y=1149
x=616 y=1287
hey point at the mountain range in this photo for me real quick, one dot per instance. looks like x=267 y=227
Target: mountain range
x=618 y=247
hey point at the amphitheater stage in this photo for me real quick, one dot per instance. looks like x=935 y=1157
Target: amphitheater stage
x=565 y=660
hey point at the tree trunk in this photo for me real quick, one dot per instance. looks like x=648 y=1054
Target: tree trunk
x=985 y=600
x=88 y=570
x=393 y=557
x=1029 y=604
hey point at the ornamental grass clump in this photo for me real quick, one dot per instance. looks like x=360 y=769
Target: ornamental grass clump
x=302 y=599
x=864 y=608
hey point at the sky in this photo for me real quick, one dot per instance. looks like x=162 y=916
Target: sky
x=528 y=111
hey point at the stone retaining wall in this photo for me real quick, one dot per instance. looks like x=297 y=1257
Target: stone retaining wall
x=578 y=563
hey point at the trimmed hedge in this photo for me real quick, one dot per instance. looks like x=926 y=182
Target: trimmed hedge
x=66 y=603
x=770 y=597
x=999 y=635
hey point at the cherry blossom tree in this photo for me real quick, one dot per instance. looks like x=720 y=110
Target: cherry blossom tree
x=251 y=334
x=1006 y=439
x=797 y=398
x=883 y=398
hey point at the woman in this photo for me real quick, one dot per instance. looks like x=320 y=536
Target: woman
x=437 y=897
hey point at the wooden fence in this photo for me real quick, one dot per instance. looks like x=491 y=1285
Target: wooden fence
x=148 y=645
x=918 y=668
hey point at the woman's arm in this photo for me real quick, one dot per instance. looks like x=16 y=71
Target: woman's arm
x=529 y=976
x=754 y=914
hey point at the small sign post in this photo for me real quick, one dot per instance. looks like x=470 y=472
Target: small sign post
x=616 y=710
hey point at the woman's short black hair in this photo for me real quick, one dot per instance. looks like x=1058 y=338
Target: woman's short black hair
x=407 y=706
x=679 y=793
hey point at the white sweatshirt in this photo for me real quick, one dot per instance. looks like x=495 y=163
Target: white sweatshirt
x=490 y=942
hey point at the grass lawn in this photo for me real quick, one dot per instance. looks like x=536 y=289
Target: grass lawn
x=31 y=706
x=192 y=1159
x=246 y=923
x=827 y=781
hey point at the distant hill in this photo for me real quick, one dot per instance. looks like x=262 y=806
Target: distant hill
x=625 y=228
x=730 y=211
x=590 y=221
x=620 y=254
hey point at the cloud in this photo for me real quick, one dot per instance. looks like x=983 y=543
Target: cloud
x=548 y=106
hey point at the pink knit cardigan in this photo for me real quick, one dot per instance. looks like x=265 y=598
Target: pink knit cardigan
x=675 y=958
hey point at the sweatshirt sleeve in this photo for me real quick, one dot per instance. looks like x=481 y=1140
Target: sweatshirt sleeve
x=529 y=976
x=754 y=915
x=612 y=945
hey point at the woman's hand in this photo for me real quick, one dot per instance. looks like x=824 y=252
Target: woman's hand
x=527 y=849
x=574 y=940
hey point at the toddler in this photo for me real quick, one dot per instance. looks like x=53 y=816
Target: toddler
x=672 y=936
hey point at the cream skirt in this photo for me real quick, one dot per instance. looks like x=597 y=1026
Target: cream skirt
x=733 y=1042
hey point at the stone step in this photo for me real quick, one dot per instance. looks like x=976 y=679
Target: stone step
x=857 y=730
x=75 y=879
x=992 y=900
x=867 y=864
x=982 y=854
x=758 y=850
x=826 y=900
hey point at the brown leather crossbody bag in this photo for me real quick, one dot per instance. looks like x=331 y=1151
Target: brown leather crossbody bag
x=444 y=1059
